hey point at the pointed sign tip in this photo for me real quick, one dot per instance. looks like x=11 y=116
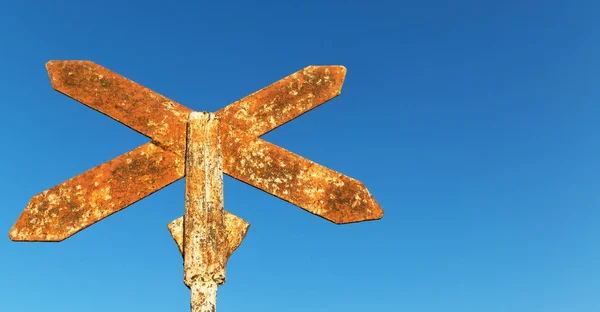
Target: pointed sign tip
x=16 y=233
x=50 y=66
x=22 y=233
x=362 y=210
x=13 y=235
x=377 y=214
x=334 y=73
x=372 y=215
x=343 y=72
x=54 y=67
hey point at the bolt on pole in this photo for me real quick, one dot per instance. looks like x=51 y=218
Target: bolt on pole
x=204 y=228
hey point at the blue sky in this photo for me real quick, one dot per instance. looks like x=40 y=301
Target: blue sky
x=473 y=123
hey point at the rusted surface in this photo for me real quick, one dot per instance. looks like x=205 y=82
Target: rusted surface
x=202 y=146
x=284 y=100
x=79 y=202
x=176 y=229
x=306 y=184
x=138 y=107
x=204 y=229
x=203 y=296
x=235 y=231
x=317 y=190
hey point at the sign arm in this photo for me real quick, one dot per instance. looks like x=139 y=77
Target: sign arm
x=85 y=199
x=284 y=100
x=139 y=108
x=297 y=180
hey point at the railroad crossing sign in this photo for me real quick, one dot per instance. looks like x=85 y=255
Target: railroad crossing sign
x=201 y=146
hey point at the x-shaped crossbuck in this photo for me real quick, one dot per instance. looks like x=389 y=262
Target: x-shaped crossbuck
x=201 y=146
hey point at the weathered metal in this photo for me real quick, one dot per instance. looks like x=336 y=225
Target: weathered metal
x=284 y=100
x=149 y=113
x=202 y=146
x=204 y=241
x=203 y=296
x=81 y=201
x=295 y=179
x=204 y=229
x=235 y=231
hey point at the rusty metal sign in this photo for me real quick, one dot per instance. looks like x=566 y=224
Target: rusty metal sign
x=200 y=146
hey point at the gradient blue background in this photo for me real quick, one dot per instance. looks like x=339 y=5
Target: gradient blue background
x=473 y=123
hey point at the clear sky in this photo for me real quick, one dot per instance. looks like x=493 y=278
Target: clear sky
x=473 y=123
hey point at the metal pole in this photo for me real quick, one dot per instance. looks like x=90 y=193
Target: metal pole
x=203 y=296
x=204 y=230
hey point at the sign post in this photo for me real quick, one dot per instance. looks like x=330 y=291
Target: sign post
x=204 y=265
x=200 y=146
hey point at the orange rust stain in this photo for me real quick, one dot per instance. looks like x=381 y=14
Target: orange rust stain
x=67 y=208
x=295 y=179
x=79 y=202
x=138 y=107
x=284 y=100
x=204 y=229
